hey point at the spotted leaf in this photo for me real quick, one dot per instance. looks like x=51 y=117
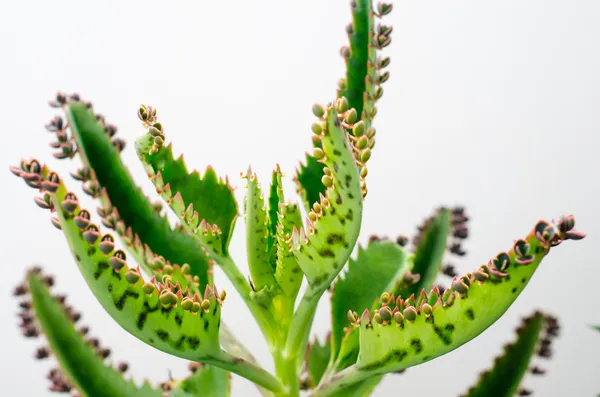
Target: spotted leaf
x=205 y=204
x=124 y=206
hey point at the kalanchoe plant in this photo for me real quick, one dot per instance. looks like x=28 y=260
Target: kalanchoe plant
x=387 y=312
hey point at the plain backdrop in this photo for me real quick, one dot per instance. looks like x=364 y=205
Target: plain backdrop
x=491 y=104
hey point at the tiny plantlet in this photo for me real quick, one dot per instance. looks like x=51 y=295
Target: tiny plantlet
x=388 y=313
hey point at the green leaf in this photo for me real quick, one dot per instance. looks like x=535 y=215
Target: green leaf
x=335 y=220
x=206 y=381
x=287 y=272
x=429 y=253
x=161 y=315
x=308 y=181
x=317 y=358
x=504 y=378
x=205 y=204
x=361 y=87
x=439 y=324
x=78 y=359
x=133 y=209
x=276 y=200
x=362 y=77
x=257 y=235
x=366 y=277
x=408 y=332
x=153 y=312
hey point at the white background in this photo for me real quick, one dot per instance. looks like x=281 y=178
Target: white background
x=491 y=104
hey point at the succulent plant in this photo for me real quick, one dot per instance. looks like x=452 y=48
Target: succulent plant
x=156 y=281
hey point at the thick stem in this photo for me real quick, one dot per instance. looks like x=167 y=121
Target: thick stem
x=339 y=381
x=247 y=370
x=243 y=288
x=299 y=333
x=287 y=371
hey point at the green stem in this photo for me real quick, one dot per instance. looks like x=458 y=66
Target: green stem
x=247 y=370
x=299 y=333
x=287 y=371
x=243 y=288
x=339 y=381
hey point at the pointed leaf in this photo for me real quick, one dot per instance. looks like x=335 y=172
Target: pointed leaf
x=429 y=252
x=151 y=311
x=367 y=277
x=125 y=201
x=334 y=222
x=287 y=272
x=405 y=333
x=505 y=377
x=308 y=181
x=473 y=303
x=205 y=204
x=80 y=362
x=257 y=235
x=161 y=315
x=276 y=199
x=361 y=87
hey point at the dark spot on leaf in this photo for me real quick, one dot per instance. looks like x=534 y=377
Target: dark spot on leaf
x=470 y=314
x=394 y=356
x=335 y=238
x=162 y=335
x=350 y=215
x=417 y=345
x=179 y=344
x=120 y=304
x=142 y=320
x=327 y=253
x=193 y=342
x=102 y=266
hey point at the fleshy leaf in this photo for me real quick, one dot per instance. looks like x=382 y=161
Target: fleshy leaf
x=361 y=87
x=287 y=272
x=334 y=222
x=408 y=332
x=364 y=69
x=436 y=324
x=125 y=207
x=257 y=235
x=308 y=181
x=430 y=246
x=161 y=315
x=317 y=358
x=80 y=362
x=206 y=381
x=205 y=204
x=534 y=336
x=367 y=276
x=276 y=199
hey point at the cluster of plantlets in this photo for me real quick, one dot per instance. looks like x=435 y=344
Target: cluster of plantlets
x=387 y=312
